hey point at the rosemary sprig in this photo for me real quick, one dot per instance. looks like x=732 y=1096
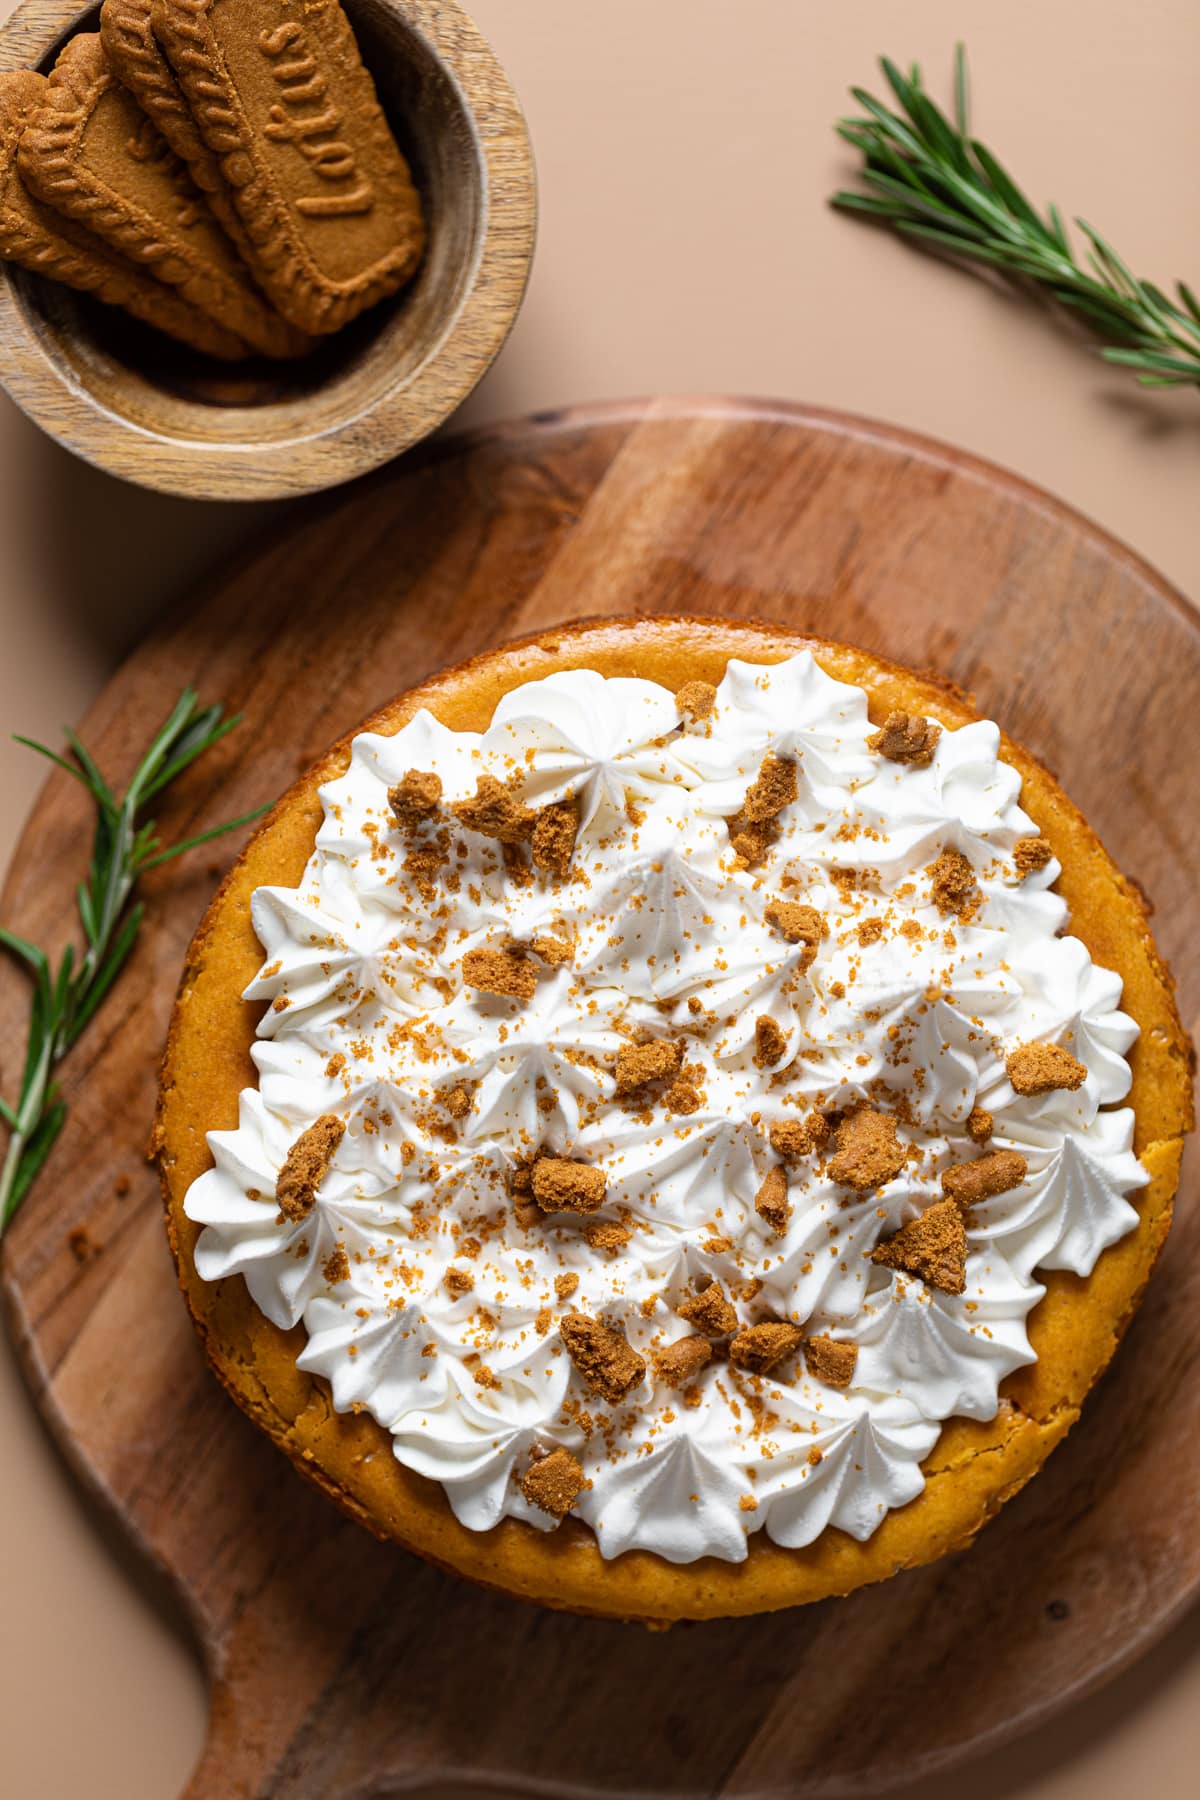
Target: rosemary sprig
x=930 y=179
x=65 y=998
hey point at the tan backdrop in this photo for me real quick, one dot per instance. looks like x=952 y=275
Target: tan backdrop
x=685 y=152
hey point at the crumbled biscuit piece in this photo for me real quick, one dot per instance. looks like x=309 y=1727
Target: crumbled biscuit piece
x=486 y=1378
x=933 y=1246
x=696 y=699
x=748 y=1503
x=336 y=1266
x=1031 y=854
x=458 y=1281
x=771 y=1201
x=527 y=1213
x=953 y=884
x=554 y=1482
x=1040 y=1068
x=305 y=1166
x=775 y=788
x=552 y=950
x=815 y=1457
x=458 y=1102
x=770 y=1042
x=980 y=1125
x=750 y=841
x=560 y=1185
x=500 y=972
x=830 y=1361
x=565 y=1285
x=968 y=1183
x=607 y=1234
x=709 y=1311
x=790 y=1138
x=496 y=812
x=799 y=925
x=906 y=738
x=683 y=1097
x=868 y=1150
x=414 y=798
x=608 y=1363
x=335 y=1065
x=554 y=836
x=759 y=1347
x=680 y=1362
x=639 y=1064
x=422 y=866
x=869 y=931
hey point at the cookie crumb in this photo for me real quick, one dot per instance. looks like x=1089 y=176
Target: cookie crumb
x=499 y=972
x=305 y=1166
x=562 y=1185
x=640 y=1064
x=696 y=699
x=799 y=925
x=1031 y=854
x=748 y=1503
x=775 y=787
x=771 y=1201
x=608 y=1363
x=906 y=738
x=486 y=1378
x=683 y=1097
x=607 y=1234
x=554 y=836
x=770 y=1042
x=458 y=1102
x=750 y=841
x=759 y=1347
x=565 y=1285
x=553 y=1483
x=933 y=1246
x=980 y=1125
x=335 y=1065
x=496 y=811
x=679 y=1363
x=336 y=1266
x=551 y=950
x=1041 y=1068
x=416 y=797
x=868 y=1150
x=831 y=1361
x=953 y=886
x=458 y=1281
x=709 y=1311
x=968 y=1183
x=790 y=1138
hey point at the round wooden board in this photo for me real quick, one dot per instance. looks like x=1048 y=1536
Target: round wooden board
x=341 y=1666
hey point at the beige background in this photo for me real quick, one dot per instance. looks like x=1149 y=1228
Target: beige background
x=685 y=152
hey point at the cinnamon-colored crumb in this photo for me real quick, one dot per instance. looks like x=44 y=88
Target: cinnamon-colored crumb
x=980 y=1125
x=560 y=1185
x=683 y=1097
x=759 y=1347
x=906 y=738
x=829 y=1360
x=770 y=1042
x=799 y=925
x=748 y=1503
x=608 y=1363
x=335 y=1065
x=933 y=1246
x=422 y=866
x=790 y=1138
x=953 y=884
x=496 y=811
x=336 y=1266
x=1040 y=1068
x=709 y=1311
x=458 y=1103
x=868 y=1150
x=607 y=1234
x=696 y=699
x=775 y=788
x=565 y=1285
x=815 y=1457
x=750 y=841
x=552 y=950
x=968 y=1183
x=414 y=798
x=554 y=1482
x=305 y=1166
x=554 y=836
x=1031 y=854
x=771 y=1201
x=639 y=1064
x=486 y=1378
x=527 y=1213
x=458 y=1281
x=680 y=1362
x=500 y=972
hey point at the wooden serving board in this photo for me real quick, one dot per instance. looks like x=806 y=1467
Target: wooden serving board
x=341 y=1667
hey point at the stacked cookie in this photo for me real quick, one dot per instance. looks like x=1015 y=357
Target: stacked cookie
x=221 y=169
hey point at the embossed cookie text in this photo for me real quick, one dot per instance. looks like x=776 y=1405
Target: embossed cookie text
x=306 y=119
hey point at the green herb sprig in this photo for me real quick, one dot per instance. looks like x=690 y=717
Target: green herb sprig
x=65 y=998
x=930 y=179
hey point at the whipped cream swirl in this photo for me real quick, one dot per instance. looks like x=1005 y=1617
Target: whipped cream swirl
x=367 y=1016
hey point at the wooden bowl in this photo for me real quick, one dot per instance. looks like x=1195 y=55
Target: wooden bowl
x=142 y=407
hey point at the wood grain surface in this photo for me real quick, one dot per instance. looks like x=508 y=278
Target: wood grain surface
x=136 y=404
x=341 y=1667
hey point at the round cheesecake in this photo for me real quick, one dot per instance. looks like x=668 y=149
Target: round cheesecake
x=671 y=1118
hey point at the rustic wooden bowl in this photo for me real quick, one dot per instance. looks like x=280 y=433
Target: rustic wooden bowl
x=142 y=407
